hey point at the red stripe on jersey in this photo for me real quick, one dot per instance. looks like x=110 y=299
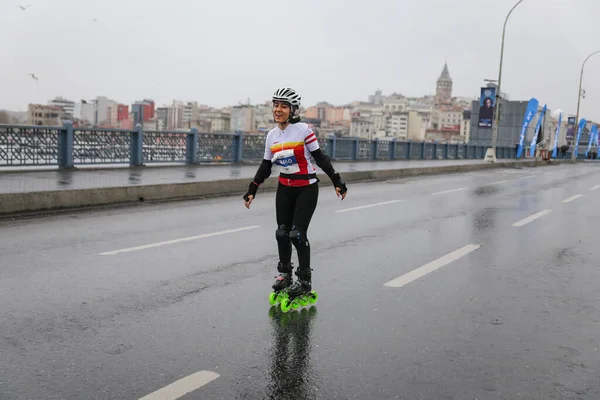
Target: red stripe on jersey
x=301 y=159
x=312 y=135
x=314 y=140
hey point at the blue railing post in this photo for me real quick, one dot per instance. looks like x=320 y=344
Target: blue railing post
x=331 y=142
x=393 y=148
x=434 y=151
x=423 y=150
x=446 y=150
x=191 y=154
x=408 y=153
x=355 y=149
x=374 y=148
x=136 y=157
x=65 y=146
x=238 y=139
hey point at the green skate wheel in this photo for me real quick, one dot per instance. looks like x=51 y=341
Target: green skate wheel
x=303 y=301
x=286 y=305
x=313 y=297
x=295 y=303
x=273 y=298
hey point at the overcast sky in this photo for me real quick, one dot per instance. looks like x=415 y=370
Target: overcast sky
x=221 y=52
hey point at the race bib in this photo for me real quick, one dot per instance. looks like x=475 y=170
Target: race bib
x=286 y=159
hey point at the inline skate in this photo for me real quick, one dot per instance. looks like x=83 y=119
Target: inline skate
x=299 y=293
x=282 y=282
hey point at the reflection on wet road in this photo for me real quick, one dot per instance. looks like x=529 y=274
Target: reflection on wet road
x=462 y=286
x=291 y=374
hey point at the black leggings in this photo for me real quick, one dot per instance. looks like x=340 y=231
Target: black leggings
x=295 y=207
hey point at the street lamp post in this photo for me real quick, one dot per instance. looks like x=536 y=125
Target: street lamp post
x=579 y=102
x=491 y=153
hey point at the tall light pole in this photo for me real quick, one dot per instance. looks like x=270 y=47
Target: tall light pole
x=491 y=153
x=579 y=102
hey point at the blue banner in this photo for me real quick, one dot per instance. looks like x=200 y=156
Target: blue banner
x=537 y=132
x=555 y=151
x=593 y=138
x=592 y=133
x=529 y=114
x=582 y=123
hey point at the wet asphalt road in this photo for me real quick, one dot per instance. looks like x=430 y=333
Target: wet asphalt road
x=516 y=318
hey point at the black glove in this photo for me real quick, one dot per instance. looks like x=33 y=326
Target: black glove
x=251 y=191
x=339 y=183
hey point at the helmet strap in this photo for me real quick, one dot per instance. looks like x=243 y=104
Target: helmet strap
x=294 y=115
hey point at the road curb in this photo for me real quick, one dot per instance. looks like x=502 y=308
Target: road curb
x=70 y=199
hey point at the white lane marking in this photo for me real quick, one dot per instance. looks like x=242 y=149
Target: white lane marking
x=529 y=177
x=497 y=182
x=533 y=217
x=367 y=206
x=183 y=386
x=595 y=187
x=432 y=266
x=570 y=199
x=185 y=239
x=448 y=191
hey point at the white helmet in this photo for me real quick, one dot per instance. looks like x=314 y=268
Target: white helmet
x=288 y=95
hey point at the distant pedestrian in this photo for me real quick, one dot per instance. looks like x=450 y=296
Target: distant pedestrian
x=563 y=151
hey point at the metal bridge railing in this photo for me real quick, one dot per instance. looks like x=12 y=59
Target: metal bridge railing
x=66 y=146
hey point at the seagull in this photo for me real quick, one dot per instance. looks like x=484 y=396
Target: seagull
x=95 y=19
x=24 y=8
x=34 y=77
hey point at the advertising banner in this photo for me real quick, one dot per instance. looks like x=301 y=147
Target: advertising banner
x=530 y=112
x=537 y=132
x=582 y=123
x=487 y=102
x=555 y=150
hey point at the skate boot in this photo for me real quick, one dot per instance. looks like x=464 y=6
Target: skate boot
x=300 y=293
x=282 y=282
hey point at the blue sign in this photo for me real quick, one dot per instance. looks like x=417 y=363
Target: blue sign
x=529 y=114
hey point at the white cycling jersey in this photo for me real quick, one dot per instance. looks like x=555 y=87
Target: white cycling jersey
x=290 y=150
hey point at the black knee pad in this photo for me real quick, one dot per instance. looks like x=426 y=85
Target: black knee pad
x=282 y=234
x=299 y=238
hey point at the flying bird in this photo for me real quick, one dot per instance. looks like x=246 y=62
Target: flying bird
x=95 y=19
x=34 y=77
x=24 y=8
